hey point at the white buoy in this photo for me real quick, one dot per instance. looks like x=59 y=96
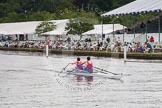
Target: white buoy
x=125 y=53
x=46 y=50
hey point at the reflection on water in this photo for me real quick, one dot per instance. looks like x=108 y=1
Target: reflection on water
x=89 y=79
x=31 y=81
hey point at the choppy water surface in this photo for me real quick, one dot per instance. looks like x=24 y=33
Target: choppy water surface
x=30 y=81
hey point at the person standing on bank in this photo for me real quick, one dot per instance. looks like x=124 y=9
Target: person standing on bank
x=89 y=65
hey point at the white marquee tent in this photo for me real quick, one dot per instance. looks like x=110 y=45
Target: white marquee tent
x=28 y=28
x=105 y=29
x=138 y=6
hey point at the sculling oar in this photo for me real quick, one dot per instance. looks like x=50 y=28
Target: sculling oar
x=97 y=71
x=65 y=67
x=106 y=71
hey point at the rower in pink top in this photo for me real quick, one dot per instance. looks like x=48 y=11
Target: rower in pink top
x=89 y=65
x=79 y=64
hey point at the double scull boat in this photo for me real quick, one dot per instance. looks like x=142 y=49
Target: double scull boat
x=95 y=74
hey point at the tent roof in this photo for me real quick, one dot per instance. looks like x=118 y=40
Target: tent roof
x=107 y=29
x=138 y=6
x=53 y=32
x=28 y=27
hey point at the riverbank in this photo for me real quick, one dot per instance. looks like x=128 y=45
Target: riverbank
x=133 y=55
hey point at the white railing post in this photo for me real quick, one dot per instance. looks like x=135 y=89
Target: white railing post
x=46 y=50
x=125 y=53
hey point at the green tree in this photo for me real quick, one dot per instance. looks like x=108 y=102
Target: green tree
x=2 y=10
x=66 y=14
x=78 y=26
x=13 y=17
x=12 y=6
x=46 y=5
x=45 y=26
x=40 y=16
x=82 y=23
x=64 y=4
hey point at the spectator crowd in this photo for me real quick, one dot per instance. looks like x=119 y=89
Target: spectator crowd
x=87 y=44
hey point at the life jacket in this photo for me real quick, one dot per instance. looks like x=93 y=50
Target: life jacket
x=79 y=65
x=89 y=66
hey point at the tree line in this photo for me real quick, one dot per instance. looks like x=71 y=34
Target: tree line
x=32 y=10
x=83 y=14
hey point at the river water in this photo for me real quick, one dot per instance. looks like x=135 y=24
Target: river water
x=30 y=80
